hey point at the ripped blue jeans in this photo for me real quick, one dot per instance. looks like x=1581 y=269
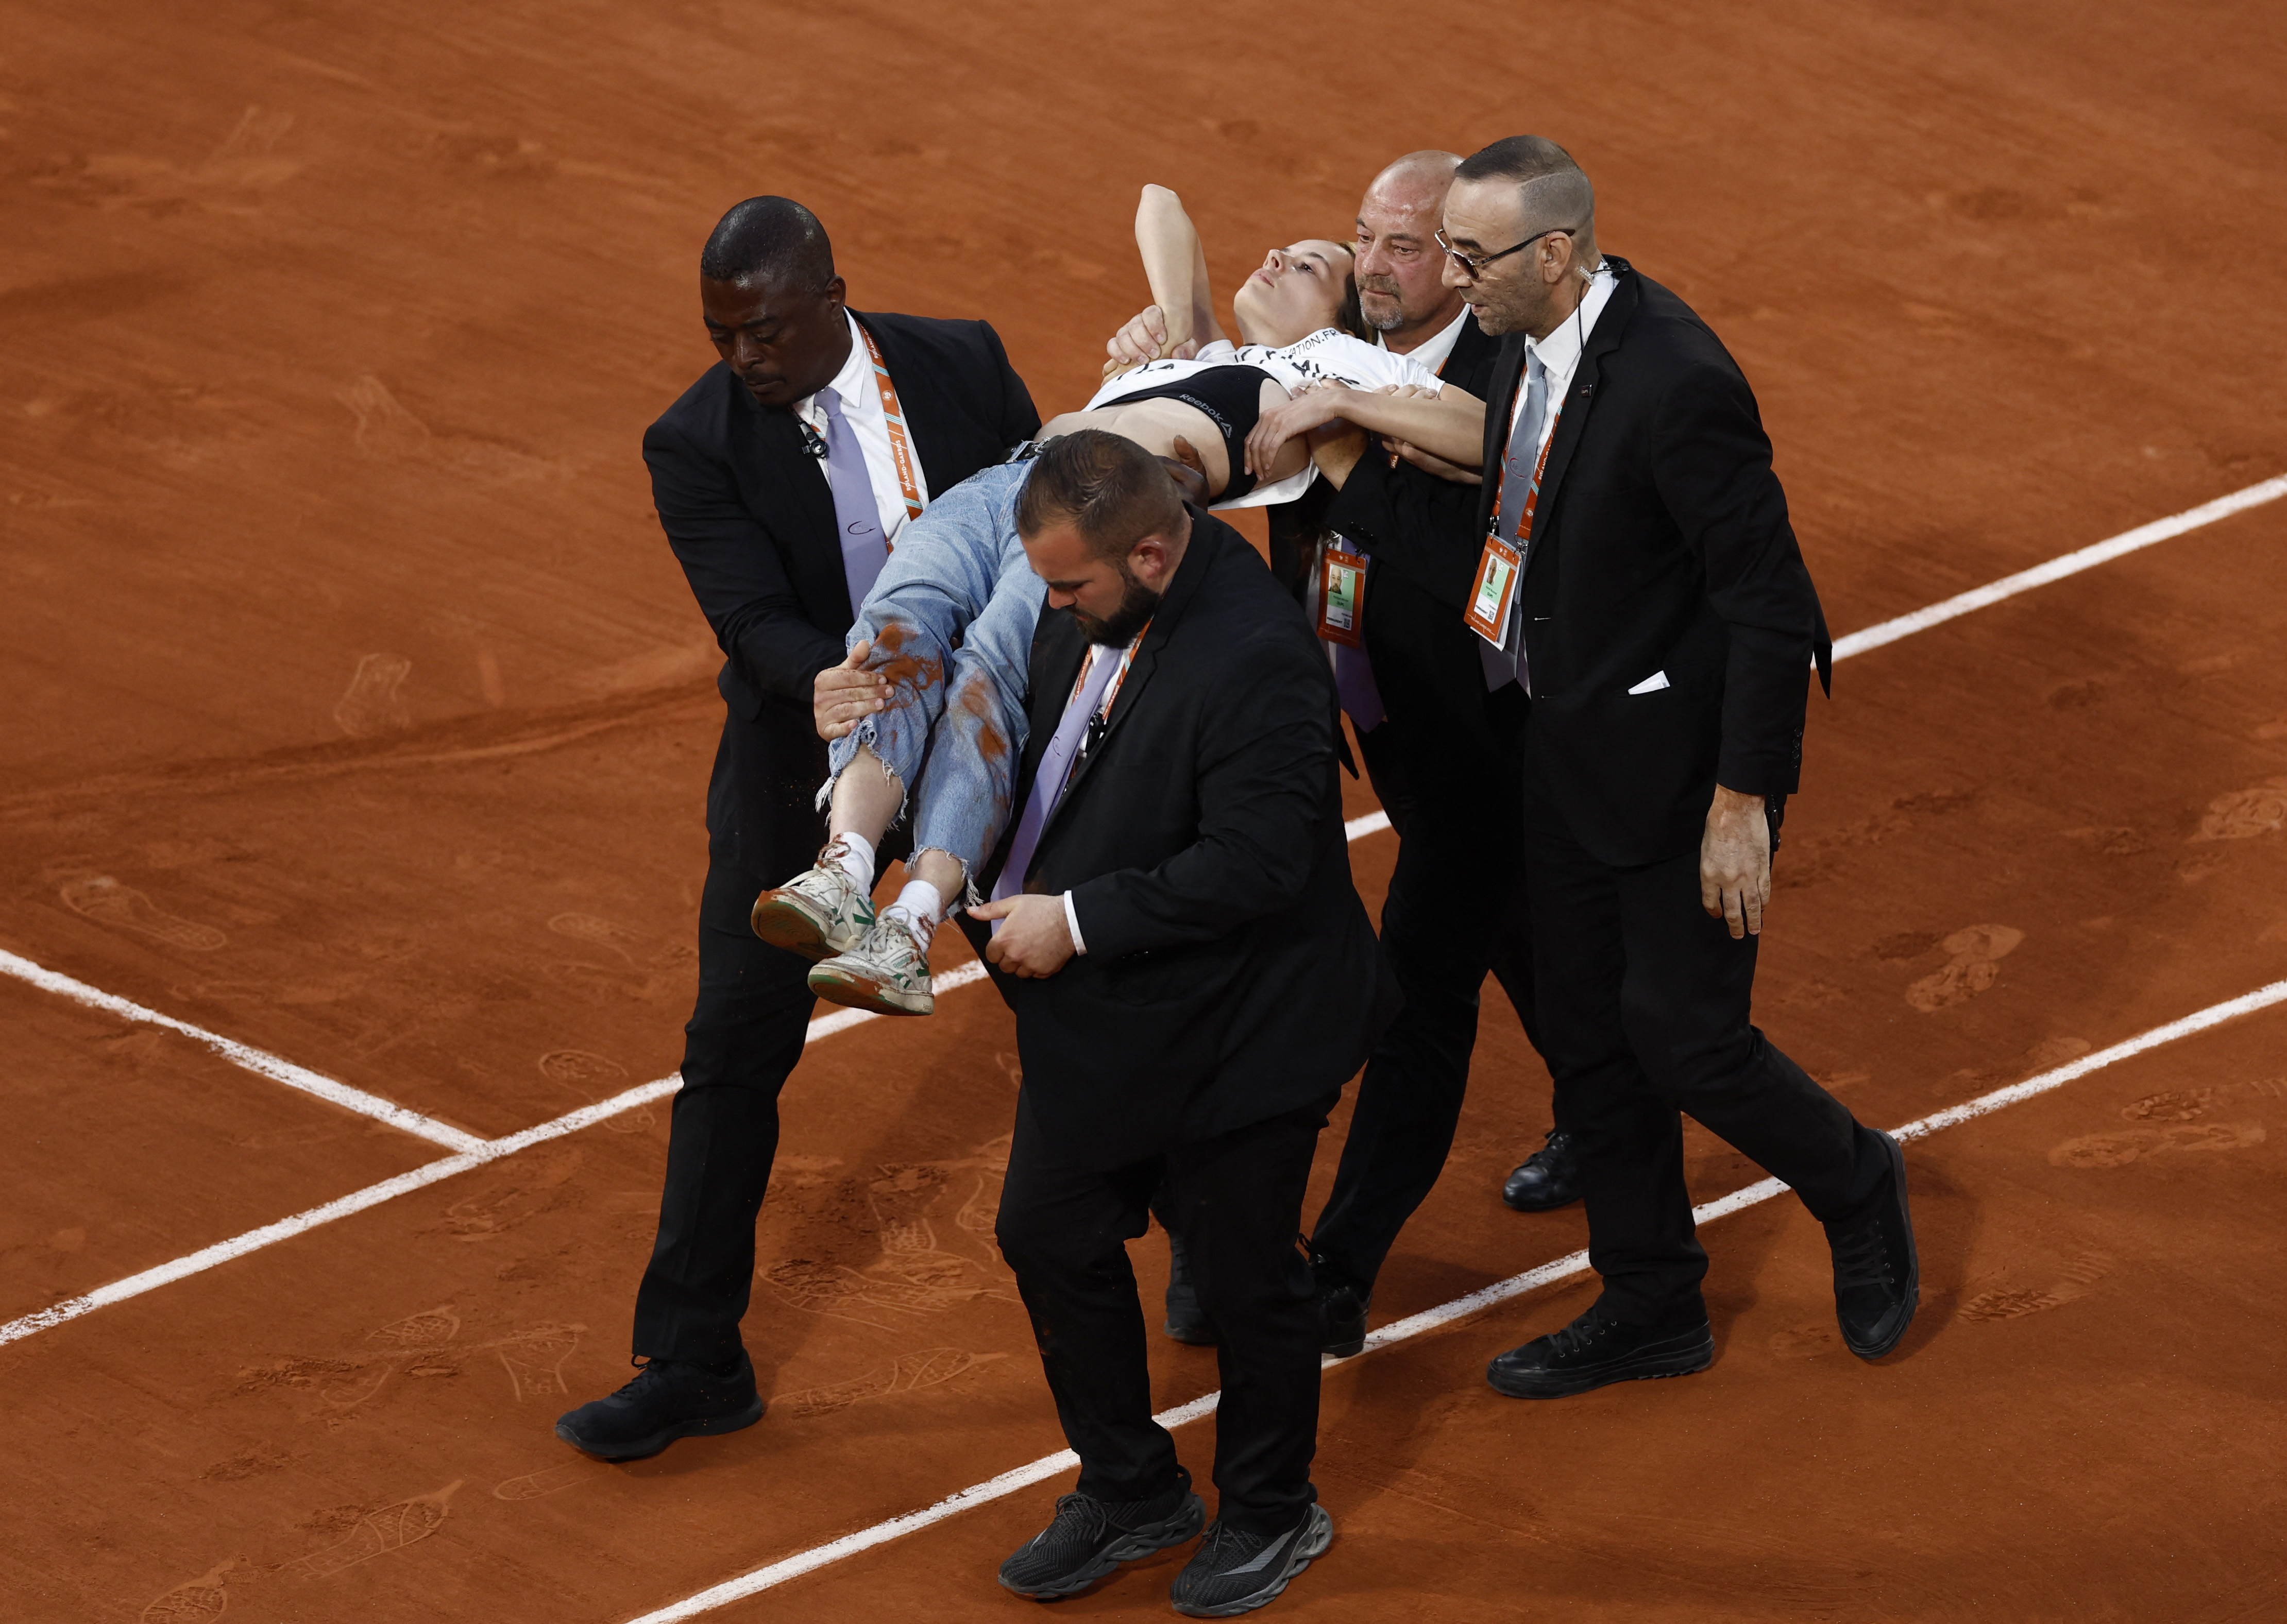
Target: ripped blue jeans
x=952 y=618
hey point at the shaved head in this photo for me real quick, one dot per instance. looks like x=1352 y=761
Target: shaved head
x=769 y=240
x=1521 y=219
x=1552 y=192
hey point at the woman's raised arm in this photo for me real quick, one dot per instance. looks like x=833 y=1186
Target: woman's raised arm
x=1176 y=267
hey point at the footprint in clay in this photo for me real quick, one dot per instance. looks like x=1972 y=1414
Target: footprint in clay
x=535 y=1360
x=373 y=702
x=2135 y=1144
x=106 y=901
x=908 y=1373
x=2244 y=814
x=554 y=1480
x=393 y=1527
x=196 y=1600
x=2073 y=1282
x=1976 y=954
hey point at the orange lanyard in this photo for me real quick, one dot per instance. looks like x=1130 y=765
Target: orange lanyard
x=1100 y=722
x=1110 y=688
x=901 y=450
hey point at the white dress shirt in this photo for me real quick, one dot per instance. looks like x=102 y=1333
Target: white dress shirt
x=1434 y=351
x=860 y=394
x=1560 y=355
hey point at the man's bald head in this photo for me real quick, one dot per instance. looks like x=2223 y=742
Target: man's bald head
x=1397 y=257
x=1414 y=174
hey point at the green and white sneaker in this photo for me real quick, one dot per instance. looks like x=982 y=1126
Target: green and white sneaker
x=887 y=973
x=818 y=913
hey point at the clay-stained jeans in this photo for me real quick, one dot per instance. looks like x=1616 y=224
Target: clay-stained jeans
x=952 y=618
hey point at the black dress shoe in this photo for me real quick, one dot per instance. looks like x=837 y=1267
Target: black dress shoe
x=1593 y=1351
x=1547 y=1178
x=1342 y=1319
x=1089 y=1537
x=1186 y=1322
x=1878 y=1277
x=669 y=1398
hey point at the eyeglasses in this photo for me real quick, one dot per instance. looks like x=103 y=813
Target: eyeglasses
x=1473 y=265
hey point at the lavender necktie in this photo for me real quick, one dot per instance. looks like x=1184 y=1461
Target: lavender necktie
x=1056 y=769
x=865 y=550
x=1506 y=665
x=1354 y=683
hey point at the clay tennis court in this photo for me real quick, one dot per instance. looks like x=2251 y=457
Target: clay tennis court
x=357 y=713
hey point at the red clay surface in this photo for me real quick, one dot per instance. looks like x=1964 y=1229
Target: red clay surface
x=339 y=640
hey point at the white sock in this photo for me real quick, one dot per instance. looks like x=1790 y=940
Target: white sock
x=856 y=859
x=920 y=905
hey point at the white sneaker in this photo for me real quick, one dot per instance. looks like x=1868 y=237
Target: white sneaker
x=887 y=973
x=818 y=913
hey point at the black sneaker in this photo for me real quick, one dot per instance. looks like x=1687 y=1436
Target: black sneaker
x=669 y=1398
x=1878 y=1277
x=1235 y=1571
x=1090 y=1537
x=1342 y=1312
x=1186 y=1321
x=1547 y=1179
x=1593 y=1351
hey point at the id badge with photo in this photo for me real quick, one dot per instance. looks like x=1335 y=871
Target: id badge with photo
x=1494 y=592
x=1341 y=597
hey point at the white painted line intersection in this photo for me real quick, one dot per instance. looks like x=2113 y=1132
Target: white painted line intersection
x=256 y=1061
x=472 y=1151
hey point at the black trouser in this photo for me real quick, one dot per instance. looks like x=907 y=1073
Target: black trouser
x=744 y=1036
x=1455 y=910
x=1236 y=1201
x=1644 y=1012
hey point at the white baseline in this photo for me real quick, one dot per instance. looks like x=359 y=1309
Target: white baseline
x=2056 y=568
x=256 y=1061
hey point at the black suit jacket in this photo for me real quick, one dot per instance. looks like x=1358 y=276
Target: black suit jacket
x=1231 y=974
x=1660 y=543
x=1411 y=526
x=751 y=519
x=1413 y=523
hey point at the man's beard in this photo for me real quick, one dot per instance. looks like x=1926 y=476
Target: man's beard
x=1384 y=320
x=1137 y=605
x=1526 y=308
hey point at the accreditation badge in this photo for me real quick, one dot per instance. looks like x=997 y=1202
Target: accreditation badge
x=1342 y=597
x=1495 y=591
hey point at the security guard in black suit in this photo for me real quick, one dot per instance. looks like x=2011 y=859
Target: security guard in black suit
x=741 y=488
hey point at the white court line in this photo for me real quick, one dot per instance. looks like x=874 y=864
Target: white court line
x=1355 y=829
x=1431 y=1319
x=2057 y=569
x=478 y=1152
x=372 y=1196
x=256 y=1061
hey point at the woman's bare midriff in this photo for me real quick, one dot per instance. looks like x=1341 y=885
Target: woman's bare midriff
x=1157 y=424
